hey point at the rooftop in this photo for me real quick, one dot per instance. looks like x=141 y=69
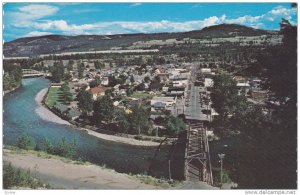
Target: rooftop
x=98 y=89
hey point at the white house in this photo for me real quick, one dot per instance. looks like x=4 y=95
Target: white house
x=169 y=101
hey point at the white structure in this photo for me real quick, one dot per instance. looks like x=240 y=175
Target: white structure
x=243 y=86
x=208 y=82
x=104 y=81
x=180 y=83
x=169 y=101
x=206 y=70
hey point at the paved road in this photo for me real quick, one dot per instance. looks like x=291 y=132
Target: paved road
x=194 y=110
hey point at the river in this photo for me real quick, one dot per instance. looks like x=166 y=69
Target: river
x=20 y=117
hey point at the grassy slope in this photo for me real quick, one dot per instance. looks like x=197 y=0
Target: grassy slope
x=53 y=96
x=143 y=178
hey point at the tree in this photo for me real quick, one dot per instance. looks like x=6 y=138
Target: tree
x=12 y=75
x=174 y=125
x=281 y=73
x=80 y=69
x=121 y=119
x=103 y=109
x=226 y=101
x=139 y=118
x=147 y=79
x=85 y=101
x=57 y=71
x=156 y=83
x=24 y=141
x=67 y=76
x=97 y=64
x=70 y=65
x=132 y=79
x=66 y=93
x=94 y=83
x=263 y=155
x=112 y=81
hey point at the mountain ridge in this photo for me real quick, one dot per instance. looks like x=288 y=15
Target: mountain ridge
x=32 y=46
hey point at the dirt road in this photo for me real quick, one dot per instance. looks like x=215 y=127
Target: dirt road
x=67 y=175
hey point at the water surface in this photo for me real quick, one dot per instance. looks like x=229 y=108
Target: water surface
x=20 y=117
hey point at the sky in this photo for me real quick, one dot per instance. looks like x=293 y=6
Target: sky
x=37 y=19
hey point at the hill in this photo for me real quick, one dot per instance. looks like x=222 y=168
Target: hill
x=50 y=44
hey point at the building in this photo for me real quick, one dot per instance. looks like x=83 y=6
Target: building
x=243 y=87
x=158 y=107
x=105 y=81
x=208 y=82
x=169 y=101
x=206 y=71
x=180 y=81
x=98 y=91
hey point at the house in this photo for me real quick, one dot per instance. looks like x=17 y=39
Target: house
x=169 y=101
x=180 y=81
x=164 y=77
x=158 y=107
x=258 y=95
x=98 y=91
x=206 y=71
x=176 y=91
x=105 y=81
x=243 y=87
x=208 y=82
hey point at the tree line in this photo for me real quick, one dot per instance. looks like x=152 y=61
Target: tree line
x=12 y=75
x=262 y=152
x=134 y=120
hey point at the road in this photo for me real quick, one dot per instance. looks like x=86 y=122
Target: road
x=194 y=109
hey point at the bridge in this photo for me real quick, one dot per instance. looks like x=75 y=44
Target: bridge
x=197 y=166
x=29 y=73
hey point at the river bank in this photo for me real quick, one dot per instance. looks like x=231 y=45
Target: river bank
x=47 y=115
x=11 y=90
x=44 y=112
x=62 y=173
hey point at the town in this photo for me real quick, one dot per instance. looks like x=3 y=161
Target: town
x=160 y=93
x=213 y=108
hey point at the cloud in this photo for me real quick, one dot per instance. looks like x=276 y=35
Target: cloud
x=37 y=33
x=281 y=12
x=29 y=13
x=32 y=17
x=38 y=11
x=248 y=20
x=125 y=26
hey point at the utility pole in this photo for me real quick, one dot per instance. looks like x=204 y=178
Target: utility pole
x=221 y=156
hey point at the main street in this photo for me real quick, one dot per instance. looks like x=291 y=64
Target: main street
x=193 y=107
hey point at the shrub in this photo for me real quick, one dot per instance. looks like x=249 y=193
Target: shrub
x=13 y=177
x=62 y=148
x=24 y=141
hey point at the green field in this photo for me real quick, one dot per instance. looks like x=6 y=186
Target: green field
x=54 y=96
